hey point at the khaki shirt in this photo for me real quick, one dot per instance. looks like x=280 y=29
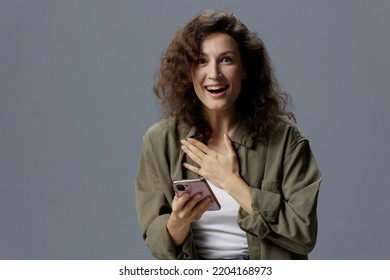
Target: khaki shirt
x=284 y=183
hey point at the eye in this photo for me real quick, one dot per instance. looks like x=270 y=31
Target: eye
x=227 y=59
x=201 y=61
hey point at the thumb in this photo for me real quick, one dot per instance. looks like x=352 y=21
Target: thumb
x=228 y=143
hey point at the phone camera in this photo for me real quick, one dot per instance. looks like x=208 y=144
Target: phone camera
x=180 y=187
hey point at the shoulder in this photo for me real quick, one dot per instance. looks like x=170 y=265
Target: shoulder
x=165 y=131
x=287 y=134
x=165 y=126
x=290 y=128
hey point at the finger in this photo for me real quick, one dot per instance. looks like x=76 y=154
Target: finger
x=192 y=202
x=180 y=200
x=192 y=155
x=228 y=143
x=203 y=205
x=191 y=168
x=201 y=146
x=193 y=152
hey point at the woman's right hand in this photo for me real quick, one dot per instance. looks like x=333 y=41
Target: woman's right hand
x=185 y=210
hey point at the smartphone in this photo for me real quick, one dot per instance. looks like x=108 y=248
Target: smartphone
x=193 y=186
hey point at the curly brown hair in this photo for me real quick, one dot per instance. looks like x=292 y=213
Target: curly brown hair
x=261 y=102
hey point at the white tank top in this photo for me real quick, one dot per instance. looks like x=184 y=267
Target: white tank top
x=217 y=234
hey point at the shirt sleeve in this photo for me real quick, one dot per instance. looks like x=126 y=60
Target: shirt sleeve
x=153 y=206
x=284 y=208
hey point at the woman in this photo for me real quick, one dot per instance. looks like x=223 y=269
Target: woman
x=226 y=122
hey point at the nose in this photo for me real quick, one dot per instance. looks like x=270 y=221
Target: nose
x=214 y=71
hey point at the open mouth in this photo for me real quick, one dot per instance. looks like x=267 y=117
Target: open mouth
x=216 y=89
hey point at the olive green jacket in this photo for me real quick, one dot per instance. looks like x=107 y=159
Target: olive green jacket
x=284 y=180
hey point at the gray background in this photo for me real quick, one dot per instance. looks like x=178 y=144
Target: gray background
x=75 y=99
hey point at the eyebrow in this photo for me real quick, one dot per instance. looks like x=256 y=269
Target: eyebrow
x=221 y=54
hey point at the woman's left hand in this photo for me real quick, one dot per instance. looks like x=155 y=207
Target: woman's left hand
x=216 y=167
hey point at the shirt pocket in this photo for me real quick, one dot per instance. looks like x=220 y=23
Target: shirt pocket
x=273 y=186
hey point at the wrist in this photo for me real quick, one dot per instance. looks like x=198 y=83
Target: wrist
x=232 y=183
x=177 y=230
x=239 y=190
x=177 y=224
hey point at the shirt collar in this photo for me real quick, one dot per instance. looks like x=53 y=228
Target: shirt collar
x=237 y=136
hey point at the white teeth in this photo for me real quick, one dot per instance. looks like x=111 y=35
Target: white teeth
x=214 y=87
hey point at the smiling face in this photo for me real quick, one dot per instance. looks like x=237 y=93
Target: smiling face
x=218 y=74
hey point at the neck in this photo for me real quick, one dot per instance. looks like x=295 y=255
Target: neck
x=221 y=123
